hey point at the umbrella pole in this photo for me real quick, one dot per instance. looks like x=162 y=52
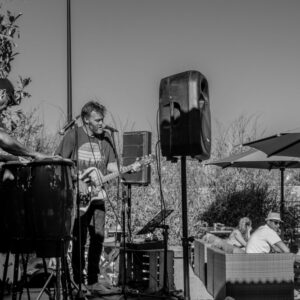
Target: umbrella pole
x=282 y=192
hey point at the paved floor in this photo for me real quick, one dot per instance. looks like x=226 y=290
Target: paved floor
x=197 y=289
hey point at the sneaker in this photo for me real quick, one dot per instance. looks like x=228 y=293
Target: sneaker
x=105 y=283
x=85 y=291
x=98 y=287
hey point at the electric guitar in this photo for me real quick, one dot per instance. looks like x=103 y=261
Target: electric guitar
x=97 y=179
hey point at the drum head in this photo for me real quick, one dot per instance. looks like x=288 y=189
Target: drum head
x=54 y=161
x=13 y=164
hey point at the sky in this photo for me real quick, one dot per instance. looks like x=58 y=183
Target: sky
x=249 y=51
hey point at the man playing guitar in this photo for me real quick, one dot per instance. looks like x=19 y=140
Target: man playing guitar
x=95 y=151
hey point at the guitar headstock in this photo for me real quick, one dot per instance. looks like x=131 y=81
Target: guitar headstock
x=145 y=160
x=142 y=161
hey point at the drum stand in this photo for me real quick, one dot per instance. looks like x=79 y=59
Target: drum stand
x=49 y=277
x=63 y=279
x=15 y=285
x=61 y=272
x=4 y=277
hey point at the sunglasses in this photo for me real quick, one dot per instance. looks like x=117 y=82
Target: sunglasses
x=276 y=222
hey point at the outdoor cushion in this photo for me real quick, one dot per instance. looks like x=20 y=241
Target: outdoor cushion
x=221 y=244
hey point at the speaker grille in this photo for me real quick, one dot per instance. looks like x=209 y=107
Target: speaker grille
x=136 y=144
x=184 y=115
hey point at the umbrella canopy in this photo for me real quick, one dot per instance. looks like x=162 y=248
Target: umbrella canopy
x=259 y=160
x=283 y=144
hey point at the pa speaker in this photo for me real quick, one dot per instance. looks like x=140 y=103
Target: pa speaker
x=184 y=116
x=137 y=144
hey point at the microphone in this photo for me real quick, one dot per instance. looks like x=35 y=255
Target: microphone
x=107 y=127
x=68 y=125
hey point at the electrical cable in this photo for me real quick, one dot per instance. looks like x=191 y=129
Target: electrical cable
x=158 y=166
x=104 y=194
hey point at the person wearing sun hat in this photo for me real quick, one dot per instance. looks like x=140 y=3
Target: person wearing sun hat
x=265 y=239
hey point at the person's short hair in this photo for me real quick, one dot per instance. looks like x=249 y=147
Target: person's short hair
x=92 y=106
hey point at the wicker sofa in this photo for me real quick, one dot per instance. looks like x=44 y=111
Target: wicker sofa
x=244 y=276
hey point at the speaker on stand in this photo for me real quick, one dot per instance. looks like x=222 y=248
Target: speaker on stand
x=185 y=130
x=184 y=116
x=136 y=144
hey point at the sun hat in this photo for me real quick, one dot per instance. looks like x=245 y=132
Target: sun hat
x=274 y=216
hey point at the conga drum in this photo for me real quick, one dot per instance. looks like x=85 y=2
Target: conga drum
x=16 y=218
x=52 y=198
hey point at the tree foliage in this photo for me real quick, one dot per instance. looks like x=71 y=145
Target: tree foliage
x=9 y=31
x=24 y=126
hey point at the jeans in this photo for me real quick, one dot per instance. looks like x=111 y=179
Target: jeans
x=93 y=221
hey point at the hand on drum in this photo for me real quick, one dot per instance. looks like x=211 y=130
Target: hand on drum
x=41 y=156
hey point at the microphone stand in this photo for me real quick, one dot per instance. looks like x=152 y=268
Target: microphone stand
x=123 y=217
x=79 y=295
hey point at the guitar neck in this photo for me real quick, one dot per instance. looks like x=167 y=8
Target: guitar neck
x=113 y=175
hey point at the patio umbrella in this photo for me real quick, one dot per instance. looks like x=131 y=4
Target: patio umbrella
x=283 y=144
x=259 y=160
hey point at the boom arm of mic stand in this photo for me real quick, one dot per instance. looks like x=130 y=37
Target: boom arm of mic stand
x=123 y=254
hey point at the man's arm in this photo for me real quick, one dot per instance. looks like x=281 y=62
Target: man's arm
x=12 y=146
x=112 y=167
x=280 y=247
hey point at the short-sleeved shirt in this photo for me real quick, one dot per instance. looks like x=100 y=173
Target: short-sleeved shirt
x=262 y=239
x=92 y=151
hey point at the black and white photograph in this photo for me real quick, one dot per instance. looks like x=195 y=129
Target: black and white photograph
x=149 y=149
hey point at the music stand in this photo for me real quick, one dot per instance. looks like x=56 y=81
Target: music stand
x=155 y=221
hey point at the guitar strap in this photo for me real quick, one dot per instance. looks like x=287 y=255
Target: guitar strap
x=98 y=163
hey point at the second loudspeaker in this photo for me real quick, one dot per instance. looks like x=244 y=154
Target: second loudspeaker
x=137 y=144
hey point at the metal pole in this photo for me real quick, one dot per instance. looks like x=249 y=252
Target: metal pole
x=282 y=192
x=185 y=241
x=69 y=63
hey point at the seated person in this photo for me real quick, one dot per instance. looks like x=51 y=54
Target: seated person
x=265 y=239
x=240 y=235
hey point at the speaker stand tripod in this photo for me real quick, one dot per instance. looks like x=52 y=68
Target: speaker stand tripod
x=165 y=291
